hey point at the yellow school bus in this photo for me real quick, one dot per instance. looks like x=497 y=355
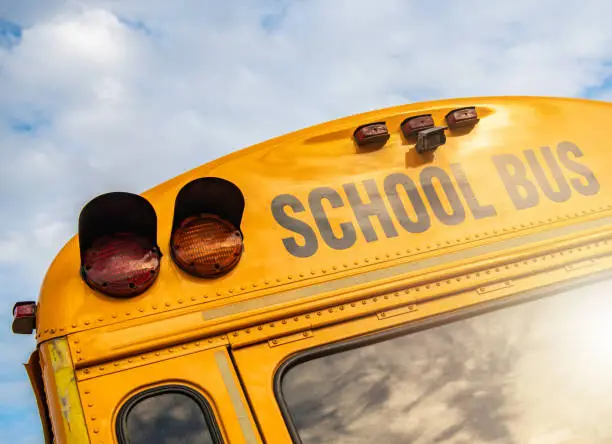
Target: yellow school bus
x=435 y=272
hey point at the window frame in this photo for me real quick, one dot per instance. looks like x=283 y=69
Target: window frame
x=205 y=407
x=370 y=338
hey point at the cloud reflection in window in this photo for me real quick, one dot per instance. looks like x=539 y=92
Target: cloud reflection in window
x=538 y=373
x=167 y=418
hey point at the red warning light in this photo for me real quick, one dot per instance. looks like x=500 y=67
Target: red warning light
x=206 y=245
x=372 y=133
x=121 y=265
x=118 y=244
x=413 y=125
x=462 y=117
x=24 y=317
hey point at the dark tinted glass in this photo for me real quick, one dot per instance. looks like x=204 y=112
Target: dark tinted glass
x=167 y=418
x=535 y=373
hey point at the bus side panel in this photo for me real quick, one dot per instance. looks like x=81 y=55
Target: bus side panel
x=258 y=364
x=65 y=408
x=210 y=373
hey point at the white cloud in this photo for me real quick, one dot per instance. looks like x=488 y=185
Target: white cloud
x=129 y=96
x=109 y=95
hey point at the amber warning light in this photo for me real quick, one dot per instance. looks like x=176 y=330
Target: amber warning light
x=206 y=245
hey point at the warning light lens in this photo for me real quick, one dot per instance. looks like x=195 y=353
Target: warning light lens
x=430 y=139
x=462 y=117
x=24 y=317
x=22 y=311
x=413 y=125
x=121 y=265
x=206 y=245
x=371 y=133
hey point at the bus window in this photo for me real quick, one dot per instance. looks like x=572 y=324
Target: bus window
x=167 y=415
x=538 y=372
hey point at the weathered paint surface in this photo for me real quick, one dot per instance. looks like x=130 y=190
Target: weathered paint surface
x=66 y=410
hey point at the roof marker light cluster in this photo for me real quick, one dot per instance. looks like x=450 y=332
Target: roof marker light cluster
x=421 y=129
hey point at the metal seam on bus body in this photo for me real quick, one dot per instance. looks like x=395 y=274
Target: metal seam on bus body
x=365 y=261
x=380 y=302
x=597 y=238
x=148 y=358
x=436 y=289
x=371 y=276
x=234 y=393
x=337 y=268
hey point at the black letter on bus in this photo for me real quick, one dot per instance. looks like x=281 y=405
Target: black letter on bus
x=478 y=211
x=458 y=213
x=516 y=181
x=564 y=192
x=315 y=201
x=284 y=220
x=592 y=184
x=392 y=183
x=364 y=211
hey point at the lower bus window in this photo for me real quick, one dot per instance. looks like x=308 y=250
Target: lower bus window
x=538 y=372
x=167 y=415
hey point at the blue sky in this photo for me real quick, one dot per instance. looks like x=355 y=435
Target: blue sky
x=98 y=96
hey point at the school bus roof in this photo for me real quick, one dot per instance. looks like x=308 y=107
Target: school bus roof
x=322 y=214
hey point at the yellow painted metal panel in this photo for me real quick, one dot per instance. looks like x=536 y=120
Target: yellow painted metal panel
x=504 y=174
x=104 y=395
x=258 y=364
x=65 y=406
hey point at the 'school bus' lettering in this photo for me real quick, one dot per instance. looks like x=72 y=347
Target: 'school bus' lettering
x=566 y=172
